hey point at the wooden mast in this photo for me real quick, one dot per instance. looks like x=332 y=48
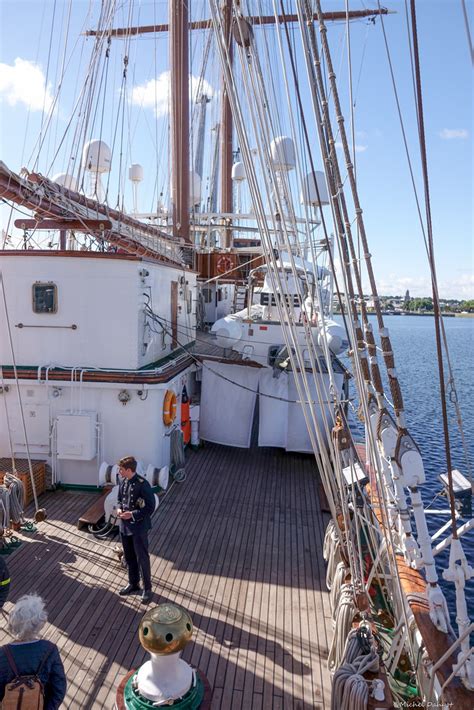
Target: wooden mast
x=227 y=206
x=179 y=119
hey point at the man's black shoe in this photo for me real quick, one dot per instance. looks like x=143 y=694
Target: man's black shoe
x=146 y=596
x=129 y=589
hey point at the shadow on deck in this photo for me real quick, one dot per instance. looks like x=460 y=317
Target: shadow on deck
x=239 y=544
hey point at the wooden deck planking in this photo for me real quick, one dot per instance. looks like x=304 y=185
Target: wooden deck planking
x=238 y=544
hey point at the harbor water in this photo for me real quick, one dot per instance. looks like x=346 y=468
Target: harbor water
x=414 y=345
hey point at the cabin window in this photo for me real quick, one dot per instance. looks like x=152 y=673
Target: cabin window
x=189 y=301
x=45 y=298
x=207 y=293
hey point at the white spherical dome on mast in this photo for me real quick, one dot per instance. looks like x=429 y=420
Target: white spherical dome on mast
x=314 y=190
x=66 y=180
x=96 y=160
x=282 y=151
x=135 y=175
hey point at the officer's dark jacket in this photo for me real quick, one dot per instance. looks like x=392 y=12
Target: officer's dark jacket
x=135 y=495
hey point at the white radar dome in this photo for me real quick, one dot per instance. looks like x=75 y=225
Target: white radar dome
x=228 y=331
x=314 y=184
x=135 y=173
x=96 y=157
x=283 y=153
x=66 y=180
x=336 y=337
x=238 y=172
x=194 y=189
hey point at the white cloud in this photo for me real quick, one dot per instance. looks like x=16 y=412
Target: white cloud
x=359 y=148
x=155 y=93
x=24 y=82
x=449 y=134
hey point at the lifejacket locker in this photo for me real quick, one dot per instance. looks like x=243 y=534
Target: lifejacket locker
x=185 y=418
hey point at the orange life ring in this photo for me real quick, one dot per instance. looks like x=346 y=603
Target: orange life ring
x=169 y=408
x=224 y=263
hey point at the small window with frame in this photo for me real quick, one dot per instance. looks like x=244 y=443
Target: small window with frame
x=45 y=297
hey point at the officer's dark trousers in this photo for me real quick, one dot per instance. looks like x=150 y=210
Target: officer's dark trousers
x=135 y=549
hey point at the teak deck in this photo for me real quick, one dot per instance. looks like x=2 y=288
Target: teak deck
x=239 y=544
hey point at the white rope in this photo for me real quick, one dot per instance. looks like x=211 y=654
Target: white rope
x=338 y=580
x=350 y=690
x=16 y=494
x=345 y=614
x=331 y=552
x=4 y=509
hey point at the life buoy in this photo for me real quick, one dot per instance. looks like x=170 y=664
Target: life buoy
x=169 y=408
x=224 y=263
x=258 y=276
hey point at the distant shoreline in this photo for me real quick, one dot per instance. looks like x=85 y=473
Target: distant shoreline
x=413 y=313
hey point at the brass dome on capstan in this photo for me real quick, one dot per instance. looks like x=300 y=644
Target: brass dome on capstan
x=165 y=629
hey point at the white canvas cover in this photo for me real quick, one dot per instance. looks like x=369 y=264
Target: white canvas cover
x=273 y=413
x=298 y=438
x=227 y=408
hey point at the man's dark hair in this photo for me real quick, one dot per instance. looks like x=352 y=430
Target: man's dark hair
x=128 y=462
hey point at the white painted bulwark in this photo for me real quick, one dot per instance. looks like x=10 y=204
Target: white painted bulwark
x=36 y=417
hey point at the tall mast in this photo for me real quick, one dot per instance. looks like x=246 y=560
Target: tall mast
x=179 y=62
x=226 y=132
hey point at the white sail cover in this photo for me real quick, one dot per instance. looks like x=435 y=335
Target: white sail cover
x=273 y=413
x=228 y=397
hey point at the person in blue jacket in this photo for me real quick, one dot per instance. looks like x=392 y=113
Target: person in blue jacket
x=29 y=652
x=136 y=504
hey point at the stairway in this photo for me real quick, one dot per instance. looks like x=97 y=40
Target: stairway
x=240 y=298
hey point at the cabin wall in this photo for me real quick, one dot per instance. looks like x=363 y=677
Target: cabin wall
x=134 y=428
x=104 y=299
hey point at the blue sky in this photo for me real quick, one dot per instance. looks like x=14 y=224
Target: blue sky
x=33 y=37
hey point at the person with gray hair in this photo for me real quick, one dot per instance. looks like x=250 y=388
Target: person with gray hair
x=28 y=655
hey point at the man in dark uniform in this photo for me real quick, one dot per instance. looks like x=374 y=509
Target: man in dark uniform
x=136 y=503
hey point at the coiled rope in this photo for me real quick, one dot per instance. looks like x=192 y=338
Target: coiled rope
x=344 y=616
x=4 y=509
x=338 y=580
x=16 y=495
x=331 y=552
x=350 y=690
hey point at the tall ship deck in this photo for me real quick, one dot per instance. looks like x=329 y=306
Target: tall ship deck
x=238 y=544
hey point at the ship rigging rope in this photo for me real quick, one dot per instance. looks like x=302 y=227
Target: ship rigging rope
x=258 y=105
x=46 y=79
x=345 y=611
x=20 y=401
x=386 y=345
x=196 y=359
x=304 y=126
x=451 y=380
x=350 y=690
x=326 y=467
x=429 y=225
x=16 y=494
x=7 y=419
x=354 y=348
